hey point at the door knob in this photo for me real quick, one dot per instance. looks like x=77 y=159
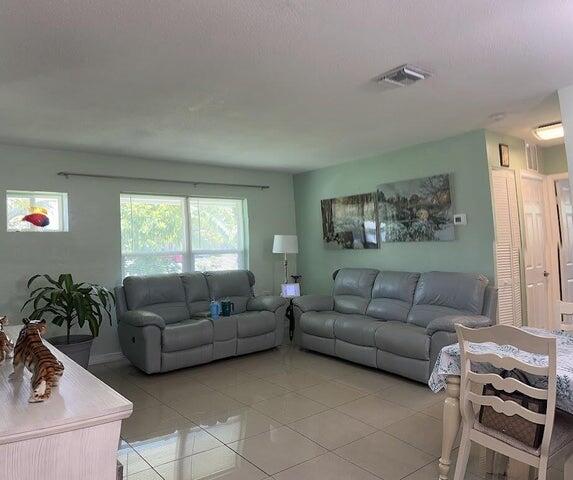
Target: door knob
x=546 y=273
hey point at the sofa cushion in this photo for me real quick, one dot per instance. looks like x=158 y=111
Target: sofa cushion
x=403 y=339
x=251 y=324
x=196 y=292
x=170 y=312
x=321 y=324
x=225 y=328
x=352 y=289
x=392 y=295
x=445 y=293
x=160 y=294
x=358 y=331
x=233 y=285
x=187 y=334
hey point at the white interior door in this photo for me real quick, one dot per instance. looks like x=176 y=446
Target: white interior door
x=565 y=211
x=507 y=246
x=535 y=253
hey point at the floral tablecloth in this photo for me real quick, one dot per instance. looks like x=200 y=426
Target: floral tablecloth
x=448 y=363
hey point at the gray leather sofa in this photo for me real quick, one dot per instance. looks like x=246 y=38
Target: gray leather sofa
x=164 y=322
x=394 y=321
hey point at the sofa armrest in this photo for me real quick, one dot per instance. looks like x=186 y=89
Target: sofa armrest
x=270 y=303
x=448 y=323
x=314 y=303
x=142 y=318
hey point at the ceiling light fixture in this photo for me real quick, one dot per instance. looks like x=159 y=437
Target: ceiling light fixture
x=550 y=131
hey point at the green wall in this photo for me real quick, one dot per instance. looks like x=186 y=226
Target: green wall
x=517 y=160
x=554 y=160
x=464 y=155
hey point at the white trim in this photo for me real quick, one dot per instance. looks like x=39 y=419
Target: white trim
x=553 y=243
x=532 y=174
x=106 y=357
x=558 y=176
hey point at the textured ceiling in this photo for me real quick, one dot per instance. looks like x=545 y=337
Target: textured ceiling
x=279 y=84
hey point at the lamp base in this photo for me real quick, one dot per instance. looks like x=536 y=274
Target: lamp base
x=286 y=268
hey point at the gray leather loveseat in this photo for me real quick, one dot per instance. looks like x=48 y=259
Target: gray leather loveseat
x=394 y=321
x=164 y=322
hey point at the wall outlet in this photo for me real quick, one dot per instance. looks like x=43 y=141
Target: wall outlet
x=460 y=219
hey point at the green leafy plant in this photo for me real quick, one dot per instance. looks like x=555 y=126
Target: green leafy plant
x=70 y=303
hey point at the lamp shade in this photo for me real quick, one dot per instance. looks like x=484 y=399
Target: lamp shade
x=285 y=244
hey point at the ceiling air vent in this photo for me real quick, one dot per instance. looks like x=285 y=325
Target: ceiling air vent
x=404 y=75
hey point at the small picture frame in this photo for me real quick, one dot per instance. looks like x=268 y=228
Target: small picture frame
x=290 y=290
x=504 y=155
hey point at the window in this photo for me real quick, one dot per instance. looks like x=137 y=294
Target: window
x=532 y=157
x=36 y=211
x=153 y=237
x=216 y=234
x=162 y=234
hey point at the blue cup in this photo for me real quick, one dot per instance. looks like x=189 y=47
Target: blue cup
x=215 y=310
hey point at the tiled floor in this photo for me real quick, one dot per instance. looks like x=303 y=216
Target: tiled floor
x=284 y=414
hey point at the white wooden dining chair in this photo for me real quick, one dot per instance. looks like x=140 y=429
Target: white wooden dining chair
x=558 y=428
x=564 y=308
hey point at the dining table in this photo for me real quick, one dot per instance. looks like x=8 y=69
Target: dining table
x=446 y=375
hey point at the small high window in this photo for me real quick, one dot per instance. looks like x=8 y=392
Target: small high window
x=36 y=211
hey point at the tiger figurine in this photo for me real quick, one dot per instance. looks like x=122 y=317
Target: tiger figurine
x=31 y=352
x=6 y=346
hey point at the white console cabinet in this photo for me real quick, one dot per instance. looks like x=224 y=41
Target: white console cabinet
x=72 y=436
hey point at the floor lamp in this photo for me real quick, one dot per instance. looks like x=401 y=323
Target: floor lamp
x=285 y=244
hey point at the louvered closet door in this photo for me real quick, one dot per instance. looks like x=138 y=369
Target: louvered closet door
x=507 y=247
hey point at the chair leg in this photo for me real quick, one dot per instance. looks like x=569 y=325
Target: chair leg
x=542 y=471
x=568 y=468
x=489 y=461
x=463 y=454
x=495 y=463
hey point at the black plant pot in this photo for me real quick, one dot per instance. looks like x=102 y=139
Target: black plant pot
x=78 y=349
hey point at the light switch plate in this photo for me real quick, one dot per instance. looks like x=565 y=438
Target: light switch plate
x=460 y=219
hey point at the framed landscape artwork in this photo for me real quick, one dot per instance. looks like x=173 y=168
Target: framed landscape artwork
x=350 y=222
x=417 y=210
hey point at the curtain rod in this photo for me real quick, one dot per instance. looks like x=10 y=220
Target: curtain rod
x=195 y=184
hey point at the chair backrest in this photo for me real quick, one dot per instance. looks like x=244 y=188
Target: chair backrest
x=392 y=295
x=473 y=379
x=160 y=294
x=196 y=292
x=234 y=285
x=490 y=303
x=447 y=293
x=564 y=308
x=352 y=289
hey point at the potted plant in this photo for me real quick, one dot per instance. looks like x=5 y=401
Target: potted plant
x=72 y=304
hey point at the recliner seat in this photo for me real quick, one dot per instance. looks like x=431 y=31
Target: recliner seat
x=393 y=321
x=164 y=322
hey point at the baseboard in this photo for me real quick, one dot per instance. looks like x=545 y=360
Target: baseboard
x=106 y=357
